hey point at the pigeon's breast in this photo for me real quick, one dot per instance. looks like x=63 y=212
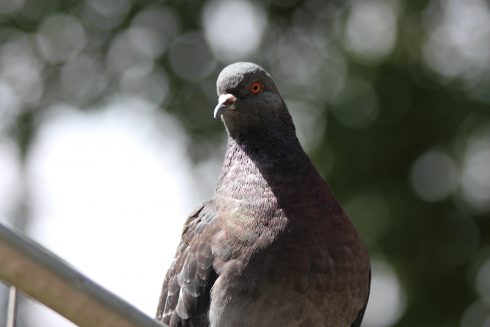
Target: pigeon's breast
x=291 y=282
x=299 y=274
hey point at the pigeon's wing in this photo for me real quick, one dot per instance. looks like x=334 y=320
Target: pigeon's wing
x=360 y=316
x=186 y=289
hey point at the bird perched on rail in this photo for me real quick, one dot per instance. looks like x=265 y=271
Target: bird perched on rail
x=273 y=247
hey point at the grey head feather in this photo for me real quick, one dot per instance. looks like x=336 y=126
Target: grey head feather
x=262 y=115
x=236 y=78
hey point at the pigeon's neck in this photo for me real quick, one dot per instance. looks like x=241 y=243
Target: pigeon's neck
x=257 y=176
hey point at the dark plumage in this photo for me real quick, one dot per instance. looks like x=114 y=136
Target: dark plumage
x=273 y=247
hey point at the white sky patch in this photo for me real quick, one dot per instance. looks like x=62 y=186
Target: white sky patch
x=10 y=187
x=110 y=192
x=233 y=29
x=387 y=301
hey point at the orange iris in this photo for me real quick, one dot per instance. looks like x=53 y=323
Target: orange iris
x=256 y=87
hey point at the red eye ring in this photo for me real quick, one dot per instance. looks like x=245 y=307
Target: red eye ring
x=256 y=87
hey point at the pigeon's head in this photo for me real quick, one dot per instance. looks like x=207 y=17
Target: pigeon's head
x=248 y=99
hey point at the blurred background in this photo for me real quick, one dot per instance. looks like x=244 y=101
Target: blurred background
x=107 y=140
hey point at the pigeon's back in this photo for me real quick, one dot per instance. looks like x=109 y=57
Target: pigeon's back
x=273 y=247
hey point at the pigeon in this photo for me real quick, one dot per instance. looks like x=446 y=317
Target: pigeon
x=272 y=247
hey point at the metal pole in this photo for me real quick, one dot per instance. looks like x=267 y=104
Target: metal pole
x=12 y=307
x=48 y=279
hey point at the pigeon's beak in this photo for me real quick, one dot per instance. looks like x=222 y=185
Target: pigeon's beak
x=225 y=102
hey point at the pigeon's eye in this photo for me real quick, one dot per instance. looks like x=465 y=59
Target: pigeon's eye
x=256 y=87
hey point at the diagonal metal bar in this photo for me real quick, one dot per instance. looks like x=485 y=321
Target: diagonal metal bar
x=48 y=279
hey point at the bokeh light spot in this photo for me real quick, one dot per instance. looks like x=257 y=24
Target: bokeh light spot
x=457 y=43
x=482 y=280
x=191 y=58
x=152 y=86
x=21 y=69
x=234 y=28
x=357 y=105
x=106 y=14
x=475 y=177
x=160 y=25
x=477 y=314
x=109 y=7
x=82 y=79
x=305 y=68
x=10 y=6
x=434 y=176
x=60 y=36
x=9 y=105
x=371 y=27
x=130 y=49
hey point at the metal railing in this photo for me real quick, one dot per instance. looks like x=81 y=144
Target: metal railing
x=45 y=277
